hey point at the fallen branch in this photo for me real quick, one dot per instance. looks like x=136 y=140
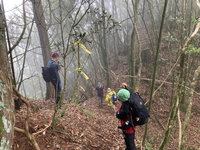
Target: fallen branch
x=30 y=137
x=19 y=130
x=36 y=133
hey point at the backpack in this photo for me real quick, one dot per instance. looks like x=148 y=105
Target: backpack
x=46 y=74
x=114 y=98
x=139 y=112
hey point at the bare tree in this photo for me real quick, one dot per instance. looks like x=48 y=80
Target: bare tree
x=44 y=40
x=104 y=46
x=155 y=66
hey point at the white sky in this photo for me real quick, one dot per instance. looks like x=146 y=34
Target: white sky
x=12 y=4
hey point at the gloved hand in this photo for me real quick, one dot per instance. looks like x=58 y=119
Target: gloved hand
x=117 y=115
x=60 y=84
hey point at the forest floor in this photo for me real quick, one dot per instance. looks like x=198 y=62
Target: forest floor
x=88 y=127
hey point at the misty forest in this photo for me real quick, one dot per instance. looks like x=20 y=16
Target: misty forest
x=150 y=46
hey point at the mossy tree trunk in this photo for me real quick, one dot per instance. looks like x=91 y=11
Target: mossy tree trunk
x=7 y=118
x=132 y=59
x=189 y=108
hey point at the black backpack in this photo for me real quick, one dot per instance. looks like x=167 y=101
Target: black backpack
x=139 y=112
x=46 y=74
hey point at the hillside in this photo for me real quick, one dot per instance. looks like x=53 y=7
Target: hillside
x=87 y=126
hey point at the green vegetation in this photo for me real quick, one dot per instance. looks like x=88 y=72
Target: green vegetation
x=192 y=49
x=89 y=113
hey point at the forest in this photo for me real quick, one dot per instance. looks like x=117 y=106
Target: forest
x=151 y=45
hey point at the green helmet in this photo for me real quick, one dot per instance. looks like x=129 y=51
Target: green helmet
x=123 y=95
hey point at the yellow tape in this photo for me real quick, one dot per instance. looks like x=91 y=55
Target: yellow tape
x=84 y=75
x=78 y=69
x=76 y=43
x=83 y=47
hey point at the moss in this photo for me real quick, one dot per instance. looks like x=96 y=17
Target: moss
x=4 y=145
x=183 y=107
x=7 y=124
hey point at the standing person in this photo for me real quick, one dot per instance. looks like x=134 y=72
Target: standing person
x=55 y=77
x=124 y=114
x=100 y=93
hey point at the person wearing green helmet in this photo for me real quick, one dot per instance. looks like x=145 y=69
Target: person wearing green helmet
x=124 y=115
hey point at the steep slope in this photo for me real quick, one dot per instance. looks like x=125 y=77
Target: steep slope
x=86 y=127
x=89 y=127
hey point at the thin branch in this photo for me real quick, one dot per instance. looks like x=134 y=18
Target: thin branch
x=83 y=15
x=184 y=51
x=32 y=76
x=19 y=130
x=180 y=129
x=27 y=44
x=23 y=31
x=36 y=133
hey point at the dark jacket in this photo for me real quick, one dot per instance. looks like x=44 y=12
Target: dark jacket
x=124 y=115
x=100 y=91
x=53 y=69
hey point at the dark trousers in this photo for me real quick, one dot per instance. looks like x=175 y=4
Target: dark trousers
x=129 y=140
x=100 y=99
x=57 y=90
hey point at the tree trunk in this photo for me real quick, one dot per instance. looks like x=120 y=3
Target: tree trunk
x=132 y=61
x=176 y=96
x=44 y=40
x=115 y=34
x=104 y=50
x=135 y=8
x=155 y=67
x=188 y=112
x=134 y=35
x=182 y=95
x=7 y=118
